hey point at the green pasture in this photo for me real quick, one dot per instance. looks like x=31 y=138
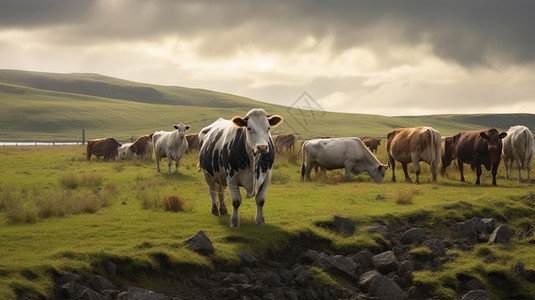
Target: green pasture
x=128 y=225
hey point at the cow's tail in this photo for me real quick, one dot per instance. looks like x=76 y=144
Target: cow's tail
x=303 y=162
x=529 y=148
x=436 y=153
x=88 y=152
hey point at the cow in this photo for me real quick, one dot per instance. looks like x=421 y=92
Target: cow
x=193 y=142
x=124 y=152
x=348 y=153
x=284 y=142
x=518 y=147
x=170 y=144
x=143 y=147
x=372 y=144
x=447 y=153
x=479 y=147
x=106 y=147
x=413 y=145
x=238 y=153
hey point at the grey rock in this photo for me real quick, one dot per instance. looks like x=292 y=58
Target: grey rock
x=385 y=262
x=200 y=243
x=476 y=295
x=384 y=288
x=413 y=236
x=502 y=234
x=344 y=226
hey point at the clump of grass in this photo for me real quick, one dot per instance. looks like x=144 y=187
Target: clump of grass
x=70 y=180
x=73 y=181
x=405 y=196
x=29 y=206
x=280 y=177
x=148 y=199
x=173 y=203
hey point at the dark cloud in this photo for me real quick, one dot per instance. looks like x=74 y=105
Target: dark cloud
x=479 y=33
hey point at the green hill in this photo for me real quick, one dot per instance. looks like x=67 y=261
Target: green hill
x=57 y=107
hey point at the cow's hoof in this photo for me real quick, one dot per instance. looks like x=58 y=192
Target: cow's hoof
x=223 y=212
x=215 y=212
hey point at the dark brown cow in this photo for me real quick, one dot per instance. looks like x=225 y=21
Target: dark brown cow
x=284 y=142
x=372 y=144
x=193 y=142
x=142 y=147
x=479 y=147
x=448 y=155
x=106 y=147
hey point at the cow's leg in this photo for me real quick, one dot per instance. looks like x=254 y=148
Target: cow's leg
x=461 y=169
x=158 y=158
x=417 y=169
x=519 y=167
x=169 y=163
x=507 y=167
x=348 y=168
x=222 y=205
x=235 y=197
x=479 y=171
x=406 y=172
x=494 y=172
x=392 y=165
x=260 y=200
x=176 y=166
x=212 y=188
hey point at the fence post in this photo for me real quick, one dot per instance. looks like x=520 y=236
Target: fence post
x=83 y=136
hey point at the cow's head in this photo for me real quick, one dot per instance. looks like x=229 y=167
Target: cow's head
x=494 y=140
x=257 y=124
x=181 y=128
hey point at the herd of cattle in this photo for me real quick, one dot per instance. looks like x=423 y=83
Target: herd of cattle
x=240 y=153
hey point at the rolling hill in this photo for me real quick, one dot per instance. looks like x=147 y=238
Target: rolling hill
x=40 y=106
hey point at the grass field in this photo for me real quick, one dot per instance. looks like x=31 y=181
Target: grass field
x=120 y=216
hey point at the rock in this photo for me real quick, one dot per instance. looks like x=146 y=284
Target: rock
x=476 y=295
x=385 y=262
x=200 y=243
x=136 y=293
x=384 y=288
x=366 y=279
x=413 y=236
x=99 y=284
x=382 y=230
x=247 y=259
x=502 y=234
x=338 y=264
x=436 y=245
x=364 y=259
x=89 y=294
x=406 y=266
x=475 y=227
x=344 y=226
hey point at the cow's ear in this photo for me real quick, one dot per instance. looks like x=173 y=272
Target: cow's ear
x=239 y=121
x=483 y=135
x=385 y=167
x=175 y=126
x=502 y=135
x=275 y=120
x=187 y=127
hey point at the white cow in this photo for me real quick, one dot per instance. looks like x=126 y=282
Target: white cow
x=518 y=147
x=238 y=153
x=337 y=153
x=124 y=152
x=170 y=144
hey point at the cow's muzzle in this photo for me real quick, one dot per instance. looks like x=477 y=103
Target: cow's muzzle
x=262 y=149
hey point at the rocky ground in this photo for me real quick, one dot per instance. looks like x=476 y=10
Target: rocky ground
x=291 y=274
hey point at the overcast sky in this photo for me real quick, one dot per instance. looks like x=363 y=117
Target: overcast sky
x=379 y=57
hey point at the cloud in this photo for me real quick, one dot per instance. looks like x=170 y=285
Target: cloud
x=410 y=56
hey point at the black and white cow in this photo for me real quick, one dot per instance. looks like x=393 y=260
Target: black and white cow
x=238 y=153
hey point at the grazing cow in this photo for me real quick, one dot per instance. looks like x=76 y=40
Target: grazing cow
x=124 y=152
x=479 y=147
x=337 y=153
x=106 y=147
x=413 y=145
x=447 y=154
x=518 y=147
x=238 y=153
x=143 y=147
x=170 y=144
x=284 y=141
x=193 y=142
x=372 y=144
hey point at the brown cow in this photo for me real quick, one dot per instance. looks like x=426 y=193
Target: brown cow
x=143 y=147
x=413 y=145
x=106 y=147
x=284 y=142
x=448 y=155
x=193 y=142
x=479 y=147
x=372 y=144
